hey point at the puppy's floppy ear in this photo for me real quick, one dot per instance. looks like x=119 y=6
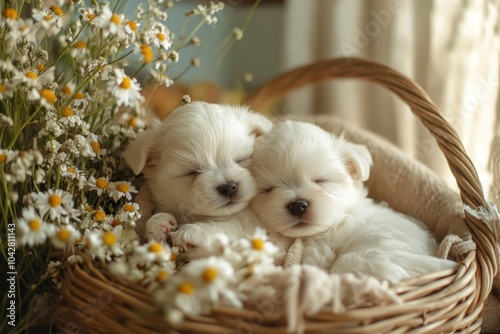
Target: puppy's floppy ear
x=141 y=152
x=358 y=161
x=259 y=124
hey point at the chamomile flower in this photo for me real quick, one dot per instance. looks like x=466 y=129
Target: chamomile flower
x=7 y=89
x=64 y=236
x=110 y=23
x=111 y=241
x=47 y=99
x=87 y=15
x=129 y=212
x=158 y=275
x=48 y=21
x=70 y=117
x=70 y=172
x=154 y=251
x=130 y=28
x=159 y=36
x=31 y=228
x=92 y=147
x=67 y=90
x=126 y=90
x=213 y=277
x=79 y=50
x=121 y=189
x=257 y=249
x=100 y=185
x=56 y=203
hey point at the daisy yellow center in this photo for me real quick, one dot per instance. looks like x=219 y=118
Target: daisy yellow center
x=47 y=17
x=147 y=52
x=132 y=122
x=209 y=275
x=116 y=222
x=126 y=83
x=57 y=10
x=79 y=96
x=96 y=147
x=3 y=157
x=99 y=215
x=48 y=95
x=161 y=36
x=71 y=170
x=10 y=13
x=31 y=75
x=101 y=183
x=55 y=200
x=68 y=112
x=66 y=90
x=79 y=45
x=186 y=287
x=23 y=27
x=132 y=25
x=109 y=238
x=258 y=244
x=162 y=276
x=34 y=224
x=63 y=235
x=128 y=208
x=90 y=16
x=115 y=19
x=155 y=248
x=2 y=88
x=122 y=187
x=40 y=67
x=173 y=256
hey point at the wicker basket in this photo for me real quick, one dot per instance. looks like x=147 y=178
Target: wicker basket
x=95 y=301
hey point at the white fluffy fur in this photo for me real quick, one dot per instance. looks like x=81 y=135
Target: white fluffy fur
x=343 y=230
x=197 y=148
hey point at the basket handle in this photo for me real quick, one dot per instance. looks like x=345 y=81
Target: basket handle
x=447 y=138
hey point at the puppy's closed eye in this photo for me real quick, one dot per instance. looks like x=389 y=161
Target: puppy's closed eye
x=266 y=190
x=320 y=180
x=192 y=173
x=244 y=162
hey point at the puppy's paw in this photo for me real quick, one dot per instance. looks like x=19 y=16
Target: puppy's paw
x=159 y=226
x=189 y=236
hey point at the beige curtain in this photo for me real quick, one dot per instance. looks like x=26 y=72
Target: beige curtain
x=450 y=47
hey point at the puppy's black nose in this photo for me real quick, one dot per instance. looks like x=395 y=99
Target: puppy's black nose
x=298 y=207
x=228 y=189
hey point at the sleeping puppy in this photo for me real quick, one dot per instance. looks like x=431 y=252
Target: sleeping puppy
x=195 y=164
x=310 y=185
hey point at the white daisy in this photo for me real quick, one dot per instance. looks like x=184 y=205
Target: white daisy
x=129 y=212
x=87 y=15
x=92 y=147
x=158 y=275
x=79 y=50
x=48 y=22
x=153 y=252
x=64 y=236
x=56 y=203
x=31 y=228
x=47 y=99
x=125 y=89
x=121 y=188
x=110 y=23
x=71 y=172
x=100 y=185
x=257 y=249
x=71 y=117
x=213 y=277
x=159 y=36
x=7 y=89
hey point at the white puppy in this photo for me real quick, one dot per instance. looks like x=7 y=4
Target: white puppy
x=195 y=165
x=309 y=185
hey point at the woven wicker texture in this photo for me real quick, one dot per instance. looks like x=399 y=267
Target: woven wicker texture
x=94 y=301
